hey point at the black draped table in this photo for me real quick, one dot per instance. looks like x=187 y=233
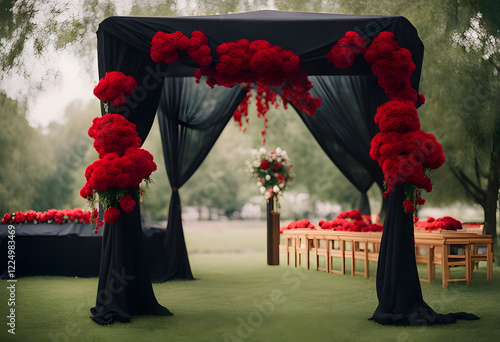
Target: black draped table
x=70 y=249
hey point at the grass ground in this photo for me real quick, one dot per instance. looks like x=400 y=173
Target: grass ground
x=237 y=297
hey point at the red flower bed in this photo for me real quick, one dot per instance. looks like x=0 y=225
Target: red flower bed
x=305 y=223
x=76 y=215
x=443 y=223
x=351 y=221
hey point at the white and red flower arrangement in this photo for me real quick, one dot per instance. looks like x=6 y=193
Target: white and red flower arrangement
x=405 y=153
x=122 y=166
x=242 y=62
x=351 y=221
x=273 y=171
x=76 y=215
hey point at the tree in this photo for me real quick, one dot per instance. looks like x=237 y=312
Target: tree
x=25 y=162
x=460 y=79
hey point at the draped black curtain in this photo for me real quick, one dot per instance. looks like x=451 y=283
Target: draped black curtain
x=191 y=118
x=124 y=287
x=398 y=285
x=343 y=126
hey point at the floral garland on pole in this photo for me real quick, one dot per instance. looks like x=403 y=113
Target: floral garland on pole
x=273 y=171
x=122 y=164
x=405 y=153
x=243 y=62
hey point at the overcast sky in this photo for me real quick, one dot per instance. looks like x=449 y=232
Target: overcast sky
x=73 y=81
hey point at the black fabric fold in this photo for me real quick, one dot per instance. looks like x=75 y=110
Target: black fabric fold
x=191 y=117
x=398 y=284
x=124 y=287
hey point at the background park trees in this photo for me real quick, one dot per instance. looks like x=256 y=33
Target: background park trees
x=460 y=79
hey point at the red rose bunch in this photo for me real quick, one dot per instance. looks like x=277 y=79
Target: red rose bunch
x=165 y=47
x=247 y=62
x=297 y=93
x=342 y=54
x=354 y=215
x=122 y=165
x=443 y=223
x=405 y=153
x=393 y=66
x=52 y=215
x=351 y=221
x=304 y=223
x=113 y=133
x=113 y=88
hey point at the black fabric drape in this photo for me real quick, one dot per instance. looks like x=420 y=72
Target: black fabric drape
x=398 y=285
x=191 y=117
x=124 y=287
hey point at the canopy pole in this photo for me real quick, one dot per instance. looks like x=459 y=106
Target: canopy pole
x=273 y=232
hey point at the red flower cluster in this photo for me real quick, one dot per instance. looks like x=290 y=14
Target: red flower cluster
x=393 y=66
x=52 y=215
x=113 y=133
x=404 y=152
x=165 y=47
x=443 y=223
x=298 y=224
x=248 y=62
x=113 y=88
x=123 y=172
x=297 y=93
x=343 y=52
x=122 y=165
x=351 y=221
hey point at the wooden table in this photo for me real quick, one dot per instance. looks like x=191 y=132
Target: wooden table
x=365 y=246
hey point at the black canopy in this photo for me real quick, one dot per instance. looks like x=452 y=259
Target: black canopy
x=192 y=115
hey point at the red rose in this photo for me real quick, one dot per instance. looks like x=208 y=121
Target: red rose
x=127 y=203
x=408 y=206
x=6 y=218
x=264 y=164
x=111 y=215
x=277 y=166
x=113 y=86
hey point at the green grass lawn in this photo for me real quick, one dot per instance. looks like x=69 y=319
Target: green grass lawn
x=237 y=297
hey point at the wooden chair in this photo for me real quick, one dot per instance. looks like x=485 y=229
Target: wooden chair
x=451 y=260
x=302 y=247
x=425 y=254
x=290 y=248
x=481 y=250
x=320 y=247
x=336 y=249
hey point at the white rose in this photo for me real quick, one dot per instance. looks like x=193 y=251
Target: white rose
x=262 y=150
x=256 y=163
x=276 y=189
x=282 y=185
x=278 y=150
x=268 y=177
x=262 y=189
x=267 y=195
x=259 y=183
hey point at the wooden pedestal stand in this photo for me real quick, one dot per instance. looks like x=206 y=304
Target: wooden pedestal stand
x=273 y=232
